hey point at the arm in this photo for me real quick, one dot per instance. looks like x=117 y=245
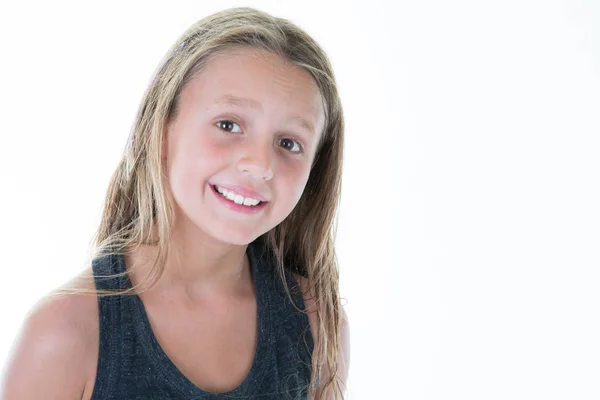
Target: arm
x=48 y=359
x=344 y=360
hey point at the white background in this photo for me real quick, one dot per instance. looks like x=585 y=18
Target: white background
x=469 y=235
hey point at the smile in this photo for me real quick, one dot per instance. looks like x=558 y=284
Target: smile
x=237 y=198
x=237 y=202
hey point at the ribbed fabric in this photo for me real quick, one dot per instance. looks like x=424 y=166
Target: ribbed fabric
x=133 y=366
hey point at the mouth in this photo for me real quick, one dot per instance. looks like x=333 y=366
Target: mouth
x=252 y=207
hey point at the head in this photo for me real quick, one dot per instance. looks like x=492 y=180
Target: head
x=248 y=120
x=242 y=99
x=179 y=147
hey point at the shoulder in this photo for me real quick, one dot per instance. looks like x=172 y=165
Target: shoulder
x=56 y=351
x=309 y=302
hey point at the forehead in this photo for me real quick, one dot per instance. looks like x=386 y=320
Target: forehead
x=276 y=86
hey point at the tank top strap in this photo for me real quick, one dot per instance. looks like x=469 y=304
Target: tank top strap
x=113 y=323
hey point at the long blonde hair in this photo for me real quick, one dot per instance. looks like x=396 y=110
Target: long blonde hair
x=138 y=210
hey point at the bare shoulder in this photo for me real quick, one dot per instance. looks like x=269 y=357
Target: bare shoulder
x=56 y=352
x=309 y=302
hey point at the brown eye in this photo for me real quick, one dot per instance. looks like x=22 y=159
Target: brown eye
x=229 y=126
x=291 y=145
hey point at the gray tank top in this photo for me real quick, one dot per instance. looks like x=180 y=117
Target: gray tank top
x=133 y=366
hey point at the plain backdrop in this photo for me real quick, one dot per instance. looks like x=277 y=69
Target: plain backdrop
x=469 y=231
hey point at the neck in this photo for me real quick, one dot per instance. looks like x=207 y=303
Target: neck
x=196 y=270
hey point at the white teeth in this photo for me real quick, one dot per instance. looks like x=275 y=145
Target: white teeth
x=236 y=198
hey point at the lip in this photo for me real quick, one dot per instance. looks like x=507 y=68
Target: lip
x=242 y=191
x=237 y=207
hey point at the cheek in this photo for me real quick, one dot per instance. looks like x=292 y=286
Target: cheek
x=195 y=151
x=191 y=164
x=293 y=185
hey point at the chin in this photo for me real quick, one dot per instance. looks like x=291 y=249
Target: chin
x=236 y=237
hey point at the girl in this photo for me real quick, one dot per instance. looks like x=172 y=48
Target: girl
x=214 y=274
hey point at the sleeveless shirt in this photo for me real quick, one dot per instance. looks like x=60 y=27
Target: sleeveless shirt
x=133 y=366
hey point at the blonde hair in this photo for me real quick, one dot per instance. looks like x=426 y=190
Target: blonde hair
x=138 y=210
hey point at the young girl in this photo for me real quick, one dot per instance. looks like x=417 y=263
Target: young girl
x=214 y=274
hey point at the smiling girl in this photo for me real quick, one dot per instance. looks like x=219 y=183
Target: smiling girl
x=215 y=273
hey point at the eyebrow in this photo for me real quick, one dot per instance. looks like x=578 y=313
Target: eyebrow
x=230 y=100
x=244 y=102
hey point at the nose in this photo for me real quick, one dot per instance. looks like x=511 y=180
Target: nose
x=257 y=161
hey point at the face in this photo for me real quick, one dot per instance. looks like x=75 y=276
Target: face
x=248 y=123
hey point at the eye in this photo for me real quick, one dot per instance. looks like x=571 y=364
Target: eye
x=292 y=145
x=229 y=126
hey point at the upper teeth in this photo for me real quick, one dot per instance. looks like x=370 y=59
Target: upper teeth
x=237 y=198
